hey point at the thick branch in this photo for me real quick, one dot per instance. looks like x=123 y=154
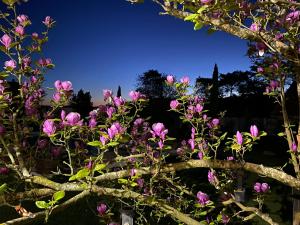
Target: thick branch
x=218 y=164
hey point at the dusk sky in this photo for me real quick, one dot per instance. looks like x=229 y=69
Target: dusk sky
x=100 y=44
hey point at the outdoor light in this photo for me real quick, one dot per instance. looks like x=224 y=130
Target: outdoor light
x=127 y=217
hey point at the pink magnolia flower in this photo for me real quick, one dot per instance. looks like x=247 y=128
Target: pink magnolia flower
x=103 y=140
x=66 y=85
x=239 y=138
x=198 y=108
x=255 y=27
x=185 y=80
x=20 y=30
x=203 y=198
x=134 y=95
x=119 y=101
x=254 y=131
x=158 y=129
x=6 y=41
x=170 y=80
x=49 y=127
x=260 y=69
x=211 y=177
x=92 y=123
x=57 y=85
x=274 y=84
x=110 y=111
x=294 y=147
x=257 y=187
x=200 y=155
x=10 y=64
x=26 y=61
x=261 y=188
x=215 y=122
x=174 y=104
x=107 y=94
x=4 y=170
x=101 y=208
x=22 y=19
x=114 y=130
x=132 y=172
x=48 y=21
x=73 y=119
x=35 y=35
x=56 y=97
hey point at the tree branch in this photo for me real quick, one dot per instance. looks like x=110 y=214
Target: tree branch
x=217 y=164
x=41 y=215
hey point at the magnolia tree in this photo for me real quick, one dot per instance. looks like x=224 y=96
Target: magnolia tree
x=48 y=154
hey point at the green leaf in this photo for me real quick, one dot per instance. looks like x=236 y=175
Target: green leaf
x=191 y=17
x=80 y=174
x=113 y=144
x=3 y=188
x=95 y=143
x=122 y=181
x=58 y=195
x=198 y=26
x=281 y=134
x=100 y=167
x=42 y=204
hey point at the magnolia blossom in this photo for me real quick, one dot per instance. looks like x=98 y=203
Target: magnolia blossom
x=48 y=21
x=239 y=138
x=110 y=111
x=132 y=172
x=6 y=41
x=107 y=94
x=49 y=127
x=20 y=30
x=174 y=104
x=44 y=62
x=134 y=95
x=103 y=140
x=66 y=85
x=255 y=27
x=56 y=97
x=215 y=122
x=211 y=177
x=73 y=119
x=35 y=35
x=101 y=208
x=203 y=198
x=294 y=147
x=170 y=80
x=10 y=64
x=254 y=131
x=158 y=129
x=119 y=101
x=200 y=155
x=4 y=170
x=114 y=130
x=185 y=80
x=261 y=188
x=22 y=19
x=198 y=108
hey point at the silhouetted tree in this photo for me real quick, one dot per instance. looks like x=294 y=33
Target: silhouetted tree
x=119 y=93
x=214 y=92
x=152 y=84
x=241 y=83
x=82 y=103
x=203 y=86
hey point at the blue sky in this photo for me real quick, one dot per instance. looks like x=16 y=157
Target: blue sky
x=100 y=44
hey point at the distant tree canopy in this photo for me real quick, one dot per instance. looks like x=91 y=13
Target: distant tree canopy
x=81 y=103
x=152 y=84
x=241 y=83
